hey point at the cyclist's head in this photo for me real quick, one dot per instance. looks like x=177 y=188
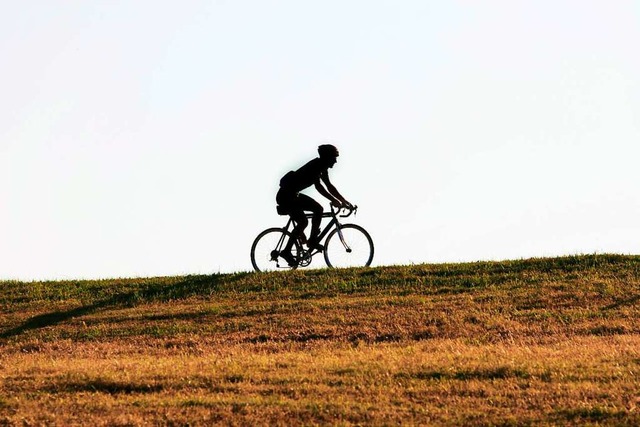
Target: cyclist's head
x=328 y=151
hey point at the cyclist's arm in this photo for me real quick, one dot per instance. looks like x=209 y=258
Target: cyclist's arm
x=326 y=193
x=334 y=194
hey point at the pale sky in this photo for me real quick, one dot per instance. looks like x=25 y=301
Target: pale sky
x=147 y=138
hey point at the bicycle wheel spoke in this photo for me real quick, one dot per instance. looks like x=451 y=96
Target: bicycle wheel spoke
x=351 y=246
x=266 y=250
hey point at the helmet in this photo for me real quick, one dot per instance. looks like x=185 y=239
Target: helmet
x=328 y=150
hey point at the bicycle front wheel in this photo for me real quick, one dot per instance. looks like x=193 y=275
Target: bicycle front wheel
x=348 y=246
x=266 y=248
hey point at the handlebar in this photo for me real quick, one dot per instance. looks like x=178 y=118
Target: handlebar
x=348 y=211
x=336 y=212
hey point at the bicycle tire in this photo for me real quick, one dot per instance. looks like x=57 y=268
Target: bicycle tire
x=262 y=256
x=336 y=254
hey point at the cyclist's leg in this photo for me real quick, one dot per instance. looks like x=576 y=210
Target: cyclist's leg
x=291 y=202
x=287 y=200
x=300 y=220
x=309 y=204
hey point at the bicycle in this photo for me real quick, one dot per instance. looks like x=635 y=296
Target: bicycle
x=346 y=245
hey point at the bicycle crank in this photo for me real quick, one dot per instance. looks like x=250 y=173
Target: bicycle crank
x=304 y=258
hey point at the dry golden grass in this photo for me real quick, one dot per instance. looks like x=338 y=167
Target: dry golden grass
x=439 y=381
x=533 y=342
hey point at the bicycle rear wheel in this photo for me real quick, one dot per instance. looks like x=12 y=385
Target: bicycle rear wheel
x=348 y=246
x=266 y=248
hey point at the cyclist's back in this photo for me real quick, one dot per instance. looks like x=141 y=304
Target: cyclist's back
x=305 y=177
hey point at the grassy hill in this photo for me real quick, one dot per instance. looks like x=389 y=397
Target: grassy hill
x=540 y=341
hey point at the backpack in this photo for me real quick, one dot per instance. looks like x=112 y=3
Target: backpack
x=288 y=179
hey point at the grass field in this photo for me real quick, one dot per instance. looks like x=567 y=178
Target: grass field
x=541 y=341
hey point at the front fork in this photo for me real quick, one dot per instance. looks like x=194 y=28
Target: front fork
x=341 y=236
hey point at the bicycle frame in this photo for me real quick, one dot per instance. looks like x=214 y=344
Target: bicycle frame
x=342 y=244
x=334 y=214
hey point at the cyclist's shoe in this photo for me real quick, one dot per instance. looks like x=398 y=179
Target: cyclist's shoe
x=288 y=256
x=315 y=244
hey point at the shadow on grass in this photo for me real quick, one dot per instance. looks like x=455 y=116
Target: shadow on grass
x=620 y=303
x=596 y=415
x=484 y=374
x=190 y=286
x=104 y=386
x=51 y=319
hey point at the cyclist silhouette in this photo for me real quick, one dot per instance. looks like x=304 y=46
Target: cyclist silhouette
x=292 y=202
